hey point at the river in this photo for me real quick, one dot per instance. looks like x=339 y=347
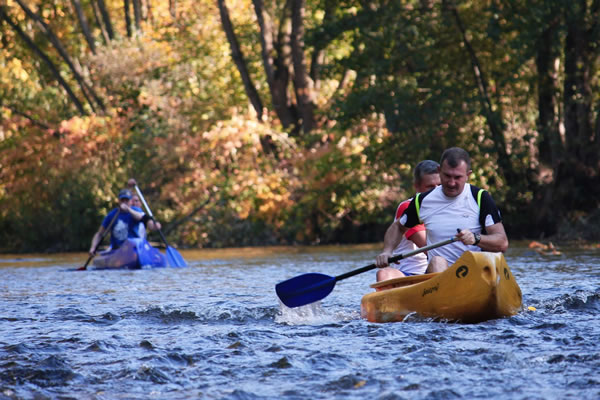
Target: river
x=216 y=330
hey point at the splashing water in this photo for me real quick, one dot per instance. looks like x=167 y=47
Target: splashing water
x=312 y=314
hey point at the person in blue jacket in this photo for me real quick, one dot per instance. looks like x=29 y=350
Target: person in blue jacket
x=123 y=222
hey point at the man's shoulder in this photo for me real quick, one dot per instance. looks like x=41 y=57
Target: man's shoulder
x=481 y=196
x=405 y=203
x=475 y=190
x=402 y=207
x=434 y=191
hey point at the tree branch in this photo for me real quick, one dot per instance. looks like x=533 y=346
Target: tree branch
x=45 y=58
x=65 y=56
x=238 y=59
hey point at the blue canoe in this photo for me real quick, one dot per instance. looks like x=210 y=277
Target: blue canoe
x=133 y=254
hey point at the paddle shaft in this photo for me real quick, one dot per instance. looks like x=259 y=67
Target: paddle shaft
x=173 y=256
x=308 y=288
x=149 y=211
x=394 y=259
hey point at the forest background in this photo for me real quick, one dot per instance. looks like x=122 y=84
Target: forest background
x=260 y=122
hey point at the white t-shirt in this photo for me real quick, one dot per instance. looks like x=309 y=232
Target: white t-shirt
x=443 y=215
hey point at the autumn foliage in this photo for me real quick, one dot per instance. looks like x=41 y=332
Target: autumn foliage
x=250 y=123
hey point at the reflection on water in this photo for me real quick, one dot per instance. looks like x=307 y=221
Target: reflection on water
x=217 y=330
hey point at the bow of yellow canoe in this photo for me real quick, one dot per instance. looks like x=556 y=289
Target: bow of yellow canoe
x=477 y=287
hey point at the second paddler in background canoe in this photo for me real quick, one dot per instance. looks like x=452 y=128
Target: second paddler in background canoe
x=426 y=177
x=454 y=204
x=174 y=258
x=136 y=203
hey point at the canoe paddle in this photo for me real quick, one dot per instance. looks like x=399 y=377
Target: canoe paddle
x=308 y=288
x=108 y=228
x=173 y=257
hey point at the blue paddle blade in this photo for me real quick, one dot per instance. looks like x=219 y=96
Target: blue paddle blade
x=174 y=258
x=304 y=289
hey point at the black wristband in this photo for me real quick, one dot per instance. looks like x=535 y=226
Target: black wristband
x=477 y=239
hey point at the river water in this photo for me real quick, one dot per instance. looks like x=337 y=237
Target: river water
x=216 y=330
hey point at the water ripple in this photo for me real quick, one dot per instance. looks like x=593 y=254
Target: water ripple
x=216 y=330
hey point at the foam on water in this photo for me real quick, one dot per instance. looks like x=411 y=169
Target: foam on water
x=311 y=314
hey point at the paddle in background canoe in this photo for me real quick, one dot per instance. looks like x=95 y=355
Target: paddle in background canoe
x=308 y=288
x=108 y=229
x=173 y=257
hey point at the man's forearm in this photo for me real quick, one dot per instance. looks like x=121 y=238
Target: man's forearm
x=95 y=242
x=494 y=242
x=393 y=237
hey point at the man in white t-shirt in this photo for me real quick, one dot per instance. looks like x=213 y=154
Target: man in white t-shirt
x=453 y=206
x=426 y=177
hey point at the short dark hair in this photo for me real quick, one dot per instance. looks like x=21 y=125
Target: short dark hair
x=425 y=167
x=454 y=155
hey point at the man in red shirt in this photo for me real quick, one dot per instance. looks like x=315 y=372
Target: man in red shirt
x=426 y=177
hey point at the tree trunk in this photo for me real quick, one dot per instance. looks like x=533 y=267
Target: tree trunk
x=577 y=86
x=318 y=56
x=549 y=144
x=303 y=84
x=238 y=59
x=137 y=14
x=127 y=9
x=63 y=53
x=266 y=39
x=85 y=28
x=173 y=8
x=45 y=58
x=106 y=18
x=578 y=174
x=284 y=70
x=100 y=23
x=575 y=185
x=493 y=118
x=276 y=70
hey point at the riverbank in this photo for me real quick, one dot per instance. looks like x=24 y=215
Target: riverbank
x=584 y=229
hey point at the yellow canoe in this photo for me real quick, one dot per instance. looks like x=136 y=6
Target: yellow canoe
x=478 y=287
